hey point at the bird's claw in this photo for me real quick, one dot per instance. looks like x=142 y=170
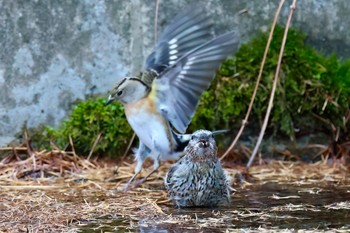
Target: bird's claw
x=139 y=182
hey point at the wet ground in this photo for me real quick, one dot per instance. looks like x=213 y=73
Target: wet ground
x=277 y=197
x=258 y=207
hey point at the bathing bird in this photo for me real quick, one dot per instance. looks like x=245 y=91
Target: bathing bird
x=198 y=179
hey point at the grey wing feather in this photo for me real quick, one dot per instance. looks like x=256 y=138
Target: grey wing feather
x=188 y=30
x=180 y=86
x=168 y=177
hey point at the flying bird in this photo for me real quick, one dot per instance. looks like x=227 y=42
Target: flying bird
x=161 y=101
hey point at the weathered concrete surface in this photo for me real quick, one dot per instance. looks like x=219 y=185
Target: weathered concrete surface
x=55 y=52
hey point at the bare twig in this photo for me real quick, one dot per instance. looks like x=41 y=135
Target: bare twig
x=72 y=145
x=262 y=132
x=9 y=148
x=156 y=22
x=29 y=148
x=129 y=146
x=245 y=121
x=94 y=145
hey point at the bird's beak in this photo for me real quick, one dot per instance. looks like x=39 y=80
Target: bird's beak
x=203 y=143
x=109 y=100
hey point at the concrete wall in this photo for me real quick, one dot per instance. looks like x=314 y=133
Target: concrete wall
x=53 y=53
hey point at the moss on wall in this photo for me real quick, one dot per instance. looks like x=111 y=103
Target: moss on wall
x=89 y=119
x=313 y=90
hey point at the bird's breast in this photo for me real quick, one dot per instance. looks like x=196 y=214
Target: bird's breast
x=150 y=126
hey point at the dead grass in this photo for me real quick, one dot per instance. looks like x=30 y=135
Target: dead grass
x=55 y=191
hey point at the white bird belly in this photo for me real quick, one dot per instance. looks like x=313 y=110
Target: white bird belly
x=151 y=131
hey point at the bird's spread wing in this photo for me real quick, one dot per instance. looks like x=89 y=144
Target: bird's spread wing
x=179 y=87
x=188 y=30
x=169 y=178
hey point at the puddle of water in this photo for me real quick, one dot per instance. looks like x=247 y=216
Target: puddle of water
x=105 y=224
x=269 y=206
x=289 y=206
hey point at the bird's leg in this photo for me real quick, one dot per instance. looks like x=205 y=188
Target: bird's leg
x=126 y=188
x=155 y=168
x=140 y=156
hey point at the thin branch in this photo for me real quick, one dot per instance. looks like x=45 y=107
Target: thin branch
x=72 y=145
x=262 y=132
x=29 y=148
x=156 y=22
x=98 y=138
x=129 y=146
x=11 y=148
x=245 y=121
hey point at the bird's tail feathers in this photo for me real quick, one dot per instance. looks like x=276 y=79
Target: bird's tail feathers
x=220 y=131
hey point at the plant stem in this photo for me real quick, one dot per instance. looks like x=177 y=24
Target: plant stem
x=245 y=121
x=269 y=107
x=156 y=22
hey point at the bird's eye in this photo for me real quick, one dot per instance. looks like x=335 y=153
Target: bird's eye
x=192 y=137
x=119 y=93
x=212 y=135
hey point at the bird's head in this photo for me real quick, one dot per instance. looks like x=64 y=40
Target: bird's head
x=128 y=90
x=202 y=145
